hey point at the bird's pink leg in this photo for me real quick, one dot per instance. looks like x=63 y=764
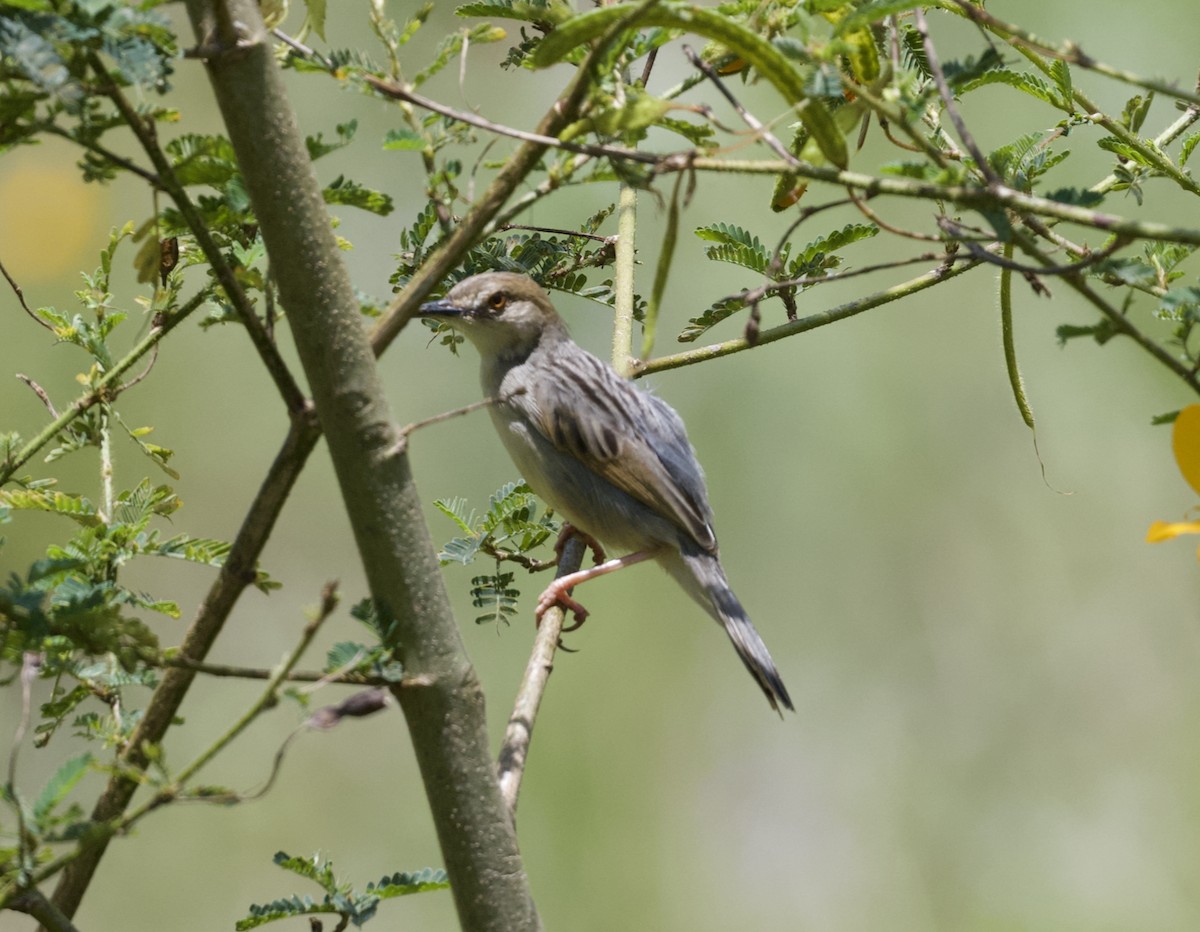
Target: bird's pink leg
x=557 y=592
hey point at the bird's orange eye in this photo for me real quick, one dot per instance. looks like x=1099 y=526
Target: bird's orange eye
x=497 y=301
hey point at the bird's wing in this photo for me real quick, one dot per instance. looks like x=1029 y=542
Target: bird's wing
x=626 y=436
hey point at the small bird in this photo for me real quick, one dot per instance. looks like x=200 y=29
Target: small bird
x=613 y=460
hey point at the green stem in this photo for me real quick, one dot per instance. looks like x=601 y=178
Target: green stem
x=105 y=387
x=804 y=324
x=661 y=272
x=626 y=258
x=268 y=698
x=996 y=197
x=1010 y=347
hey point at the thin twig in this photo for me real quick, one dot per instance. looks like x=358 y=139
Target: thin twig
x=558 y=178
x=804 y=214
x=402 y=442
x=1072 y=268
x=515 y=749
x=558 y=231
x=31 y=663
x=40 y=392
x=747 y=117
x=268 y=352
x=33 y=902
x=762 y=291
x=262 y=673
x=809 y=322
x=105 y=388
x=92 y=146
x=967 y=196
x=304 y=50
x=886 y=125
x=939 y=78
x=145 y=372
x=21 y=297
x=268 y=698
x=861 y=204
x=651 y=58
x=399 y=92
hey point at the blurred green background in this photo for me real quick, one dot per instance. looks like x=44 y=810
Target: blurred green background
x=995 y=683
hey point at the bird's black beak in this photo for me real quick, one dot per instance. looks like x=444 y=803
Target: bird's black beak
x=440 y=308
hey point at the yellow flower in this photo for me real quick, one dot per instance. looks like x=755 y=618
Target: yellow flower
x=1168 y=530
x=1185 y=441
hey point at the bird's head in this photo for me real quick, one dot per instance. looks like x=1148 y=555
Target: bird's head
x=502 y=313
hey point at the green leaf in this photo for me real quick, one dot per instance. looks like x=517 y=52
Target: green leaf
x=756 y=260
x=1080 y=197
x=345 y=653
x=454 y=43
x=961 y=73
x=1101 y=332
x=1134 y=113
x=1060 y=73
x=404 y=139
x=874 y=11
x=455 y=510
x=136 y=504
x=1124 y=150
x=340 y=898
x=75 y=507
x=817 y=255
x=1166 y=257
x=697 y=326
x=736 y=246
x=542 y=12
x=318 y=147
x=314 y=16
x=352 y=194
x=494 y=593
x=204 y=551
x=731 y=234
x=319 y=872
x=34 y=56
x=402 y=884
x=1185 y=151
x=1127 y=271
x=203 y=159
x=1027 y=83
x=63 y=781
x=460 y=550
x=1020 y=162
x=1180 y=303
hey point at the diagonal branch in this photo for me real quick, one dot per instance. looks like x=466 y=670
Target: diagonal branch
x=515 y=749
x=804 y=324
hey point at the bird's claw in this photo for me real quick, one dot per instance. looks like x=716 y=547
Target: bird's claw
x=557 y=595
x=568 y=531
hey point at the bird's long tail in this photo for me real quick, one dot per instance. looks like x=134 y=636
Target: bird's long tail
x=700 y=573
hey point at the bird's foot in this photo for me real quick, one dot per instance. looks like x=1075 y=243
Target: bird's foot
x=568 y=531
x=557 y=594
